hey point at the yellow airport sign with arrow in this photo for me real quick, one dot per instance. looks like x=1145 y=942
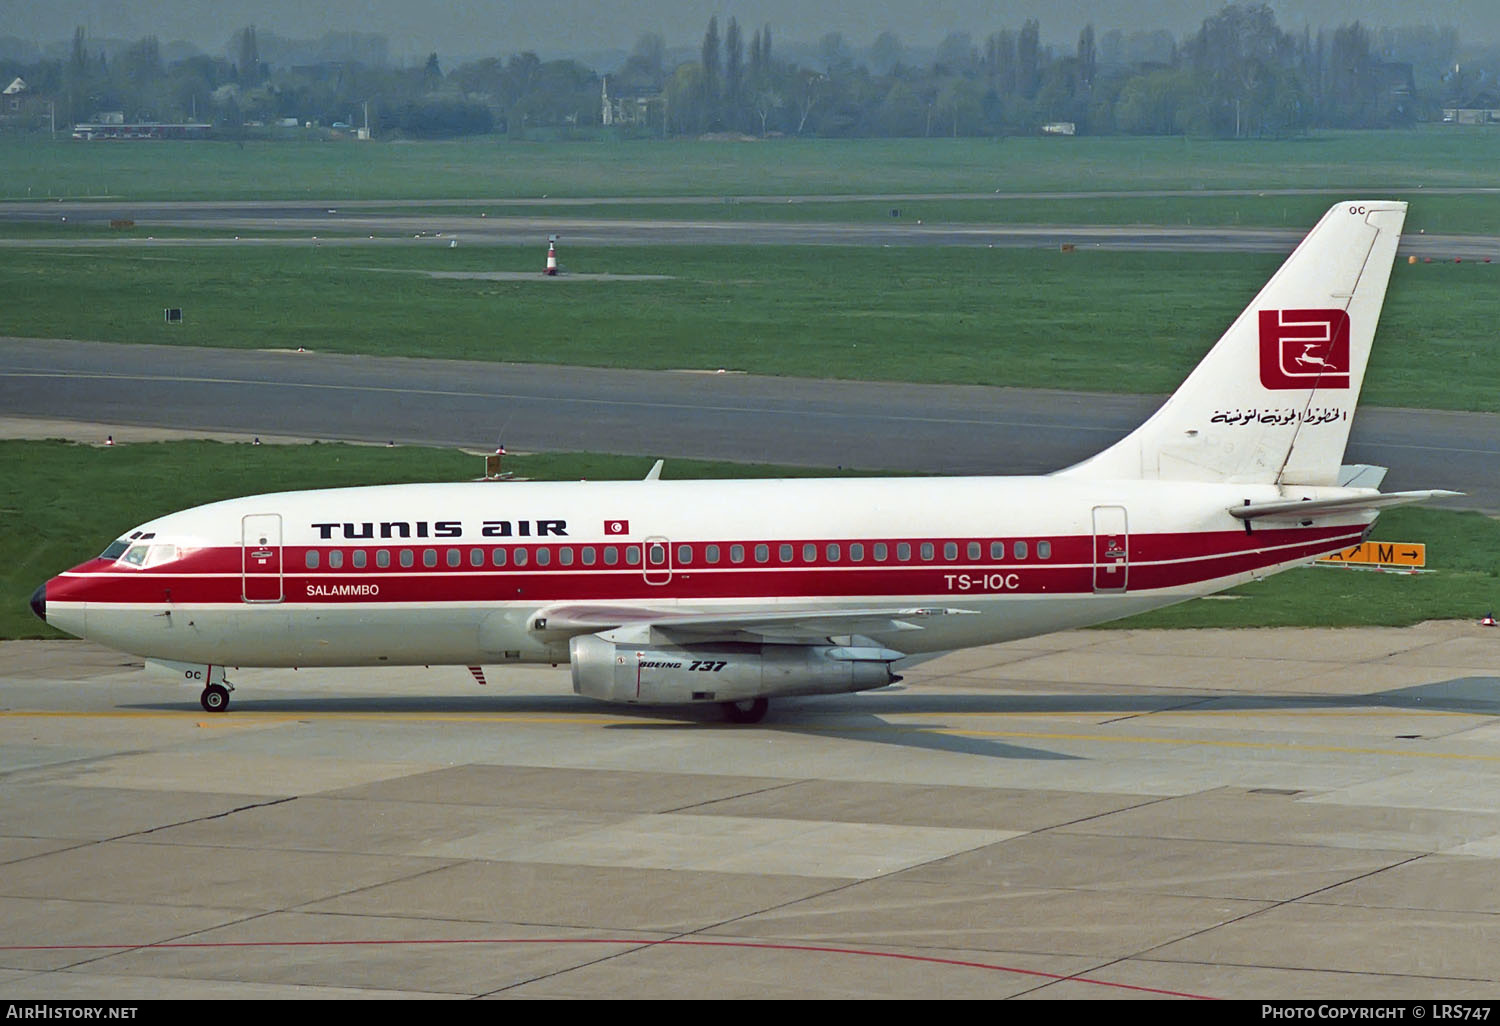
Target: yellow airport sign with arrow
x=1382 y=553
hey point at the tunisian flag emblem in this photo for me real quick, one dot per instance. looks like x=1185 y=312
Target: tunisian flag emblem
x=617 y=527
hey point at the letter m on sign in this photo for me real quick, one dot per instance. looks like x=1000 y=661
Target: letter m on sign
x=1304 y=349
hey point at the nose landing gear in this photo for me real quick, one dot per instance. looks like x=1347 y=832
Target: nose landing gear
x=215 y=697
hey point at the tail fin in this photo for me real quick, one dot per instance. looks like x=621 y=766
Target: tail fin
x=1272 y=402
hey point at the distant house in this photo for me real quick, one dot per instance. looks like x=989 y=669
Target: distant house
x=23 y=107
x=629 y=110
x=14 y=94
x=1481 y=109
x=89 y=131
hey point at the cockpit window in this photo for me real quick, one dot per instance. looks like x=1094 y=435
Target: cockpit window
x=149 y=555
x=116 y=549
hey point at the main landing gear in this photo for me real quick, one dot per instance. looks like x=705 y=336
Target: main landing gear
x=215 y=697
x=749 y=711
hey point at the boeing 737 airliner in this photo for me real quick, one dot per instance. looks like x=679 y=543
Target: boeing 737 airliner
x=734 y=592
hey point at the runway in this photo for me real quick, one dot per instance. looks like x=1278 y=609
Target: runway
x=952 y=429
x=430 y=223
x=1245 y=814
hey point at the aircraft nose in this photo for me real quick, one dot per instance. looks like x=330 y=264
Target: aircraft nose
x=39 y=601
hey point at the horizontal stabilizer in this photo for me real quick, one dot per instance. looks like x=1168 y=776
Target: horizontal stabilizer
x=1294 y=509
x=1361 y=475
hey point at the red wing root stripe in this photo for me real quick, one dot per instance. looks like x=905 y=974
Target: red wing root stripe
x=631 y=942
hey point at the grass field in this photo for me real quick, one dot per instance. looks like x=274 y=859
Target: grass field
x=66 y=502
x=1090 y=320
x=491 y=168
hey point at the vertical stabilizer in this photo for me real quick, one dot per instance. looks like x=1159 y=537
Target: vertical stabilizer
x=1273 y=401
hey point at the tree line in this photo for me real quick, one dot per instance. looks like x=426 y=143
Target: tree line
x=1239 y=75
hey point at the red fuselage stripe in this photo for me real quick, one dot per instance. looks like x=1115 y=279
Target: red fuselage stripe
x=1154 y=561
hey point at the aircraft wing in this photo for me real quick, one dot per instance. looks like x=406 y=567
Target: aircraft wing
x=1295 y=509
x=792 y=627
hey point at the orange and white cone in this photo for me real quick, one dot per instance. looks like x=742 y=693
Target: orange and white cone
x=552 y=258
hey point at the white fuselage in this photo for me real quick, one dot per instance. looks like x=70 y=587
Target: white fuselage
x=463 y=573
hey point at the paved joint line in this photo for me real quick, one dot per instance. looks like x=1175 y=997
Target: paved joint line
x=205 y=819
x=1143 y=954
x=149 y=830
x=1146 y=804
x=1180 y=707
x=732 y=797
x=179 y=939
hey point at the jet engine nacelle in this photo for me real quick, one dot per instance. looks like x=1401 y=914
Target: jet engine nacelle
x=722 y=671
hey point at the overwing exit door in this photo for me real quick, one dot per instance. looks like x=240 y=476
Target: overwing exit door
x=658 y=560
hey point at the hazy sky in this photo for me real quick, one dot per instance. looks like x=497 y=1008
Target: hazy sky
x=551 y=27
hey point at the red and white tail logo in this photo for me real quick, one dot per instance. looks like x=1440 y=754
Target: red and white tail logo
x=1304 y=349
x=617 y=527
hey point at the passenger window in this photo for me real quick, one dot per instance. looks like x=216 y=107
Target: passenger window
x=927 y=550
x=312 y=559
x=832 y=552
x=684 y=555
x=1043 y=550
x=881 y=552
x=856 y=552
x=565 y=555
x=903 y=552
x=736 y=553
x=950 y=551
x=762 y=553
x=497 y=557
x=633 y=555
x=335 y=559
x=358 y=559
x=429 y=557
x=589 y=555
x=784 y=552
x=382 y=558
x=997 y=550
x=711 y=554
x=543 y=556
x=975 y=551
x=476 y=557
x=611 y=555
x=1019 y=548
x=519 y=558
x=408 y=558
x=809 y=553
